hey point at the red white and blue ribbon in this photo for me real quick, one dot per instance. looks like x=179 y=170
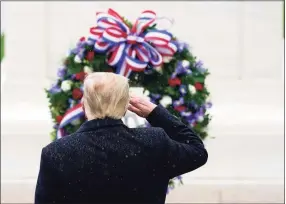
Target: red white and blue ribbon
x=72 y=114
x=131 y=49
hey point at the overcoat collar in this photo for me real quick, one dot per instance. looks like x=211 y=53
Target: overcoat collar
x=93 y=125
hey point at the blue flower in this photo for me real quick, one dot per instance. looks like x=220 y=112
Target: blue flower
x=181 y=46
x=174 y=75
x=197 y=115
x=183 y=89
x=80 y=54
x=75 y=51
x=55 y=89
x=90 y=41
x=81 y=44
x=209 y=105
x=199 y=64
x=193 y=104
x=178 y=102
x=61 y=72
x=181 y=68
x=155 y=96
x=199 y=67
x=190 y=119
x=73 y=76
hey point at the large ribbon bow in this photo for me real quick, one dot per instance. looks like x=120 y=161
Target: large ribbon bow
x=131 y=49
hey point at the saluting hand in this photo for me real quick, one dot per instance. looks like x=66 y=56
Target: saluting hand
x=141 y=106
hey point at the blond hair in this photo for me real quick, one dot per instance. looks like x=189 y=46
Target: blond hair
x=105 y=95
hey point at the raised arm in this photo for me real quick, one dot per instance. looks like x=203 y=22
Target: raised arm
x=183 y=150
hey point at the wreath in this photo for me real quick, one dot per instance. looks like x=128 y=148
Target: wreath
x=150 y=58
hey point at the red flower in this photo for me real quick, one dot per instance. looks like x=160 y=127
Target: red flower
x=59 y=118
x=82 y=39
x=80 y=76
x=174 y=82
x=180 y=108
x=77 y=94
x=199 y=86
x=90 y=56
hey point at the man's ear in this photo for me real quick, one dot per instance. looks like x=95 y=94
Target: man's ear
x=83 y=108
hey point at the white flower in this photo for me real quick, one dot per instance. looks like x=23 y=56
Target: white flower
x=76 y=122
x=192 y=89
x=146 y=93
x=165 y=101
x=167 y=59
x=158 y=69
x=66 y=85
x=77 y=59
x=87 y=69
x=200 y=118
x=185 y=63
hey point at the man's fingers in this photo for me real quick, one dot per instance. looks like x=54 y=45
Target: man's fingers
x=133 y=109
x=139 y=100
x=132 y=95
x=136 y=102
x=141 y=106
x=144 y=102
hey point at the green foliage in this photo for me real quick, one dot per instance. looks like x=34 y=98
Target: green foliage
x=54 y=135
x=2 y=47
x=73 y=66
x=128 y=23
x=59 y=99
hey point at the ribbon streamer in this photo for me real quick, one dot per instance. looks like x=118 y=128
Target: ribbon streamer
x=72 y=114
